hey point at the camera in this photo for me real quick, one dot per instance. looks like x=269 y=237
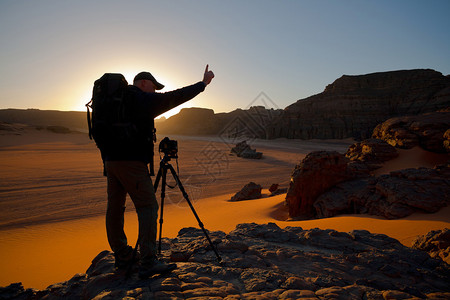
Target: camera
x=169 y=147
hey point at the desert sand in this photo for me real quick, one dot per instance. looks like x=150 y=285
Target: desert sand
x=52 y=198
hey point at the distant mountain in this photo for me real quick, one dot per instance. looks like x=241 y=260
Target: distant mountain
x=74 y=120
x=238 y=123
x=353 y=105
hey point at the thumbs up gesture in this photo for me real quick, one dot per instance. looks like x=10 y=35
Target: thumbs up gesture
x=208 y=76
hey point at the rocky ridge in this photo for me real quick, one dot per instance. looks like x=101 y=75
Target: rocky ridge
x=353 y=105
x=266 y=262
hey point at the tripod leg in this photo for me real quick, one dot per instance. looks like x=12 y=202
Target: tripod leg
x=163 y=169
x=158 y=177
x=185 y=195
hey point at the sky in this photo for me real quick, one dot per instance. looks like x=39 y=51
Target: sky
x=269 y=53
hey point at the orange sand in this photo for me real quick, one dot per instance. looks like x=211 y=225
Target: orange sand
x=49 y=250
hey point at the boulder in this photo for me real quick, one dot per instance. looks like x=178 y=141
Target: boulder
x=371 y=152
x=436 y=243
x=243 y=150
x=276 y=190
x=249 y=191
x=316 y=173
x=392 y=196
x=425 y=130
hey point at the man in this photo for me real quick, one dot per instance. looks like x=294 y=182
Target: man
x=127 y=171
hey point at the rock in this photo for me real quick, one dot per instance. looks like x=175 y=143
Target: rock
x=16 y=291
x=273 y=187
x=353 y=105
x=249 y=191
x=425 y=130
x=243 y=150
x=371 y=152
x=292 y=263
x=436 y=243
x=275 y=190
x=316 y=173
x=392 y=196
x=447 y=140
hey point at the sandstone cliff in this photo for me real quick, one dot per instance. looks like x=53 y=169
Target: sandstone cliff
x=353 y=105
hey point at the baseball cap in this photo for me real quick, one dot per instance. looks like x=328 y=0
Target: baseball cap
x=148 y=76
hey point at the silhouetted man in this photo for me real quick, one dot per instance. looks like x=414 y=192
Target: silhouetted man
x=127 y=171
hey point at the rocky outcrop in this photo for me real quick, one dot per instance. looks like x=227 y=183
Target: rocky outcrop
x=353 y=105
x=426 y=130
x=248 y=192
x=243 y=150
x=267 y=262
x=392 y=196
x=447 y=140
x=237 y=124
x=190 y=121
x=371 y=152
x=436 y=243
x=316 y=173
x=326 y=184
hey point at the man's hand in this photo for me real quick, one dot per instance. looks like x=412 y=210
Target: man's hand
x=208 y=76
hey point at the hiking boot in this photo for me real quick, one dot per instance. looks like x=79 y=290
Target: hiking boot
x=124 y=258
x=155 y=267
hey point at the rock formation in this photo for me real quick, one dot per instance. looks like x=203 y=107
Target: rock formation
x=425 y=130
x=326 y=184
x=243 y=150
x=266 y=262
x=248 y=192
x=392 y=196
x=353 y=105
x=190 y=121
x=436 y=243
x=237 y=124
x=371 y=152
x=316 y=173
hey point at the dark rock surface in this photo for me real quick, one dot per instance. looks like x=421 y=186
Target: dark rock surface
x=436 y=243
x=316 y=173
x=353 y=105
x=267 y=262
x=250 y=191
x=425 y=130
x=243 y=150
x=371 y=152
x=275 y=189
x=392 y=196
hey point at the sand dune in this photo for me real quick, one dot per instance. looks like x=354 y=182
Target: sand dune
x=53 y=198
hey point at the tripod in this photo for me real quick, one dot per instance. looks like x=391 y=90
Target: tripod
x=162 y=172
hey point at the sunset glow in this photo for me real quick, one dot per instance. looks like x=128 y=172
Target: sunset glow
x=289 y=50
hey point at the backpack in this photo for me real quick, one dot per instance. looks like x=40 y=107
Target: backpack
x=110 y=120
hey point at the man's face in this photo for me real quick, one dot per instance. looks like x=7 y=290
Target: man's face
x=147 y=86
